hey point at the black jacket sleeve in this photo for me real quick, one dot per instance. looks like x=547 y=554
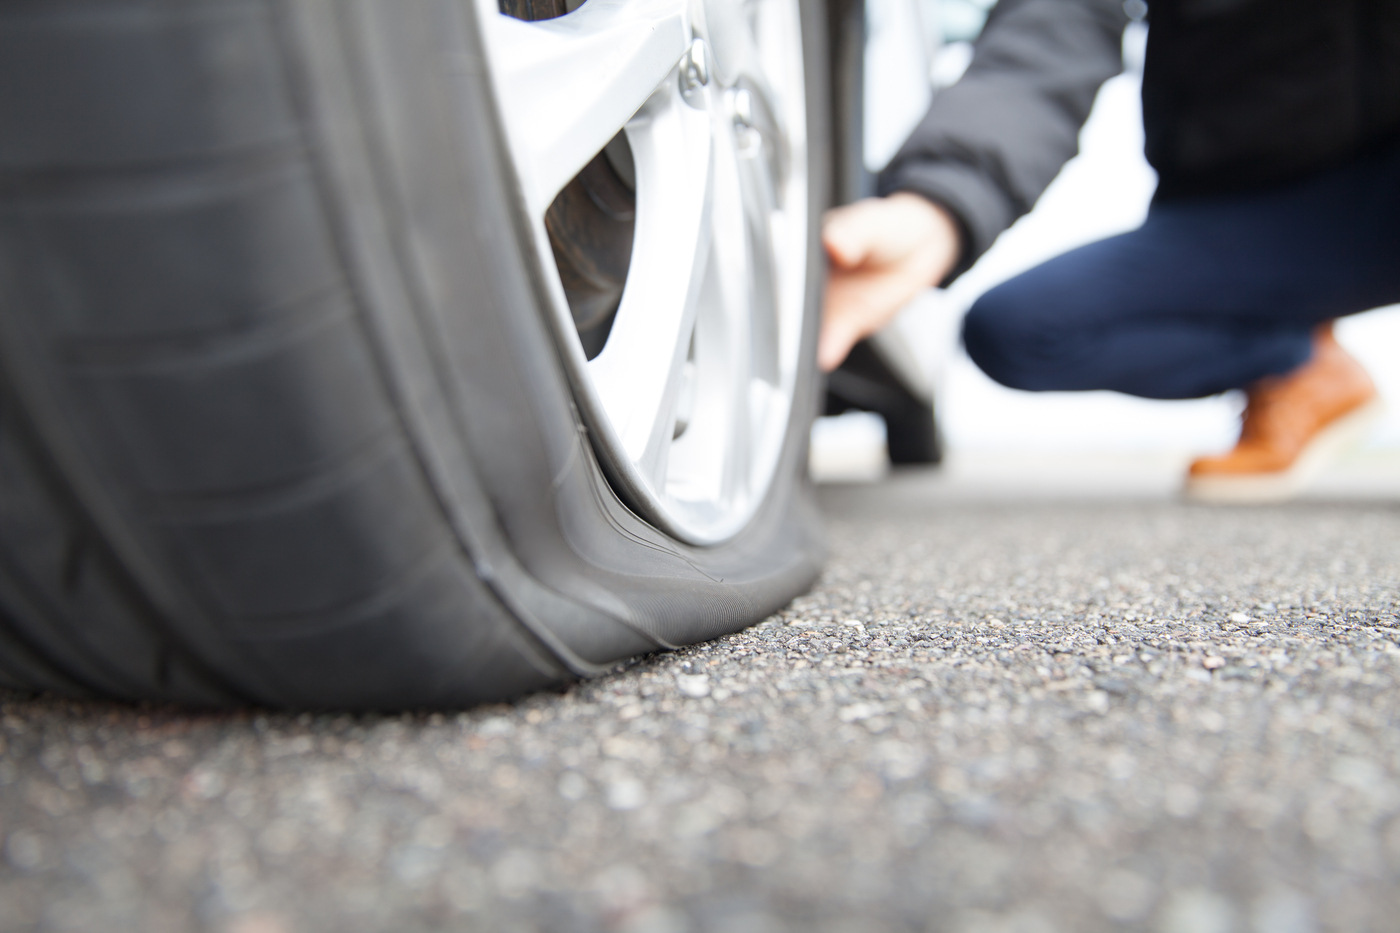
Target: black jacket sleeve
x=991 y=143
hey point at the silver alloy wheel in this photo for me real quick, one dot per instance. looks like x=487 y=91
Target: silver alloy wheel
x=690 y=398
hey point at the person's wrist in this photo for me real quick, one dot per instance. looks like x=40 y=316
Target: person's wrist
x=940 y=233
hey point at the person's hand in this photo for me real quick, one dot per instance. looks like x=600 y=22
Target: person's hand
x=883 y=251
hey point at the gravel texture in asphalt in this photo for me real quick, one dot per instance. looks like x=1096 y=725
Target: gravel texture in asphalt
x=992 y=714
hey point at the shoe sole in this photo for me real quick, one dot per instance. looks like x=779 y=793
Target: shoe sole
x=1330 y=443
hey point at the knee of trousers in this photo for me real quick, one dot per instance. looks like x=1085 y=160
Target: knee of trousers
x=1008 y=340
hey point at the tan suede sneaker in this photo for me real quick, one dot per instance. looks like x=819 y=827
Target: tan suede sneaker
x=1294 y=425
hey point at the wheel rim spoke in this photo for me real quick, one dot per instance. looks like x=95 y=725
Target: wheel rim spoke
x=568 y=85
x=738 y=268
x=637 y=374
x=709 y=463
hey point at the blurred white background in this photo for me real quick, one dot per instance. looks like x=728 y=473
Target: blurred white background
x=1105 y=190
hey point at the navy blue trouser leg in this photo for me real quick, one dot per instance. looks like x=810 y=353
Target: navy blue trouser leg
x=1208 y=294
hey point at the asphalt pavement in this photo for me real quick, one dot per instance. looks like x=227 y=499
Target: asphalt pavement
x=1010 y=705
